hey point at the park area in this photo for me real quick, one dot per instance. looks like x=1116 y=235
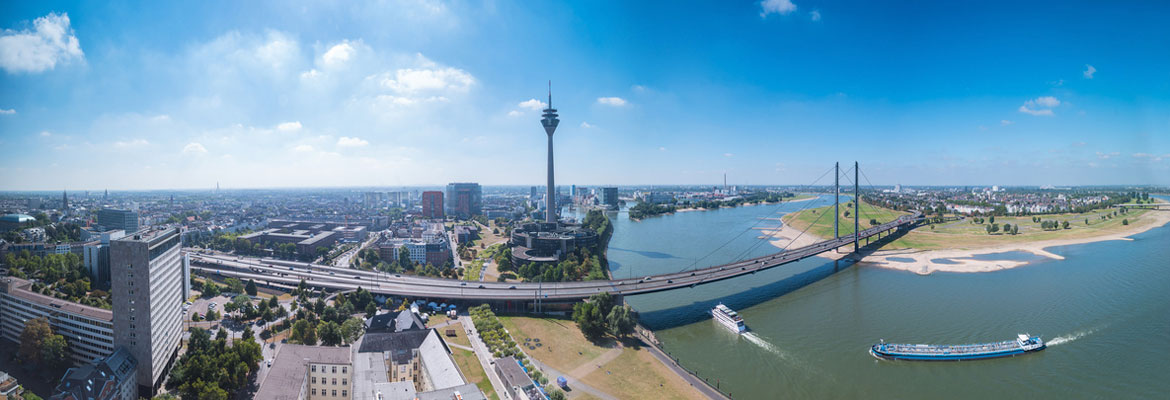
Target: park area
x=973 y=233
x=625 y=372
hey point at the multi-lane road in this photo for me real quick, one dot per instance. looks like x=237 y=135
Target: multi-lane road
x=334 y=278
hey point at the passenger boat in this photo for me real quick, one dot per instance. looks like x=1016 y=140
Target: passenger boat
x=728 y=318
x=929 y=352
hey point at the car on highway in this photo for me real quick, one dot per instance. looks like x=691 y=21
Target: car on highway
x=512 y=287
x=481 y=286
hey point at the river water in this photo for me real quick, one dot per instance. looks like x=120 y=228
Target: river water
x=1104 y=310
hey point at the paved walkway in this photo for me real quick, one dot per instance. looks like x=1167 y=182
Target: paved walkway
x=485 y=357
x=459 y=346
x=574 y=383
x=695 y=382
x=600 y=360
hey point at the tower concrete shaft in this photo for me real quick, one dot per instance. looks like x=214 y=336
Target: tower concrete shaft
x=836 y=200
x=550 y=123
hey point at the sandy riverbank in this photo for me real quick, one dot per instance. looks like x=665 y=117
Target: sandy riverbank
x=923 y=265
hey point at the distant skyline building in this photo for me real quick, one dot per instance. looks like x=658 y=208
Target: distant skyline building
x=114 y=219
x=550 y=122
x=432 y=204
x=609 y=196
x=64 y=201
x=464 y=199
x=147 y=301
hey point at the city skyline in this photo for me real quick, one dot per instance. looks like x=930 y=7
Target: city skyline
x=261 y=95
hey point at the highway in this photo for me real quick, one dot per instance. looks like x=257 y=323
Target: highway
x=334 y=278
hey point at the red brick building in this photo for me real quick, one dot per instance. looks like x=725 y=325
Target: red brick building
x=432 y=204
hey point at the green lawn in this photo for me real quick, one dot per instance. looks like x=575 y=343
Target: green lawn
x=471 y=272
x=473 y=371
x=823 y=218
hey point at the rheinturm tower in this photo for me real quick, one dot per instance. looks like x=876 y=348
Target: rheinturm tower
x=550 y=122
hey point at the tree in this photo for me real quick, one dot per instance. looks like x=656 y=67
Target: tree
x=352 y=329
x=556 y=394
x=589 y=319
x=330 y=333
x=234 y=285
x=304 y=332
x=988 y=229
x=371 y=309
x=55 y=352
x=1125 y=221
x=210 y=289
x=1064 y=225
x=991 y=219
x=250 y=289
x=621 y=321
x=1007 y=228
x=32 y=339
x=1015 y=229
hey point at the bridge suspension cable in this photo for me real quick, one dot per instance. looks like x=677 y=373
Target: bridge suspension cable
x=752 y=227
x=743 y=255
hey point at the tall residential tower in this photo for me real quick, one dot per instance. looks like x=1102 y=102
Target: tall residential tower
x=550 y=123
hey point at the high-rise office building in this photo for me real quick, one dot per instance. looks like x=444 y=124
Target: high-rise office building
x=432 y=204
x=609 y=196
x=125 y=220
x=147 y=301
x=464 y=200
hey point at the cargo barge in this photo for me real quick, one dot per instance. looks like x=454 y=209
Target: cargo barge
x=928 y=352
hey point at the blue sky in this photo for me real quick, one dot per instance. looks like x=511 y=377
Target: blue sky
x=417 y=92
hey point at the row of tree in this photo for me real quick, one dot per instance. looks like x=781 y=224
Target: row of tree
x=59 y=275
x=211 y=369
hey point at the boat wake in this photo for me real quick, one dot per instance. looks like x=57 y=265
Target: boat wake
x=1059 y=340
x=759 y=341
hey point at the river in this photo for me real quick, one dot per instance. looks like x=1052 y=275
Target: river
x=1104 y=310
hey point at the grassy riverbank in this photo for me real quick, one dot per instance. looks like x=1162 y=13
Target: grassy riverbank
x=967 y=234
x=621 y=371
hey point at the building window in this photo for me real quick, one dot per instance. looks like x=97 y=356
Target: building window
x=334 y=381
x=314 y=380
x=343 y=369
x=314 y=392
x=334 y=393
x=335 y=369
x=344 y=382
x=344 y=393
x=314 y=368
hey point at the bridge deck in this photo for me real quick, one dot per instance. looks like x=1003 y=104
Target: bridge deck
x=276 y=271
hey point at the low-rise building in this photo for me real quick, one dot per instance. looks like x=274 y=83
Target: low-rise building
x=110 y=378
x=309 y=372
x=88 y=330
x=517 y=382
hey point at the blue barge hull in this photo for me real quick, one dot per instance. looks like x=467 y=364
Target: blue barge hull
x=921 y=352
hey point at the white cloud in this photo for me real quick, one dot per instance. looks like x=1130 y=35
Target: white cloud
x=310 y=74
x=1040 y=106
x=278 y=51
x=661 y=149
x=126 y=144
x=514 y=113
x=612 y=101
x=1106 y=156
x=639 y=88
x=9 y=111
x=1141 y=155
x=289 y=126
x=815 y=15
x=346 y=141
x=728 y=155
x=782 y=7
x=411 y=81
x=46 y=133
x=39 y=50
x=1005 y=122
x=585 y=125
x=304 y=148
x=194 y=148
x=1089 y=71
x=533 y=104
x=338 y=55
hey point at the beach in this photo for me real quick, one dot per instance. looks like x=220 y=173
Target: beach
x=961 y=261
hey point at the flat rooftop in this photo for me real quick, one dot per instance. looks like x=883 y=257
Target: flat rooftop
x=22 y=289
